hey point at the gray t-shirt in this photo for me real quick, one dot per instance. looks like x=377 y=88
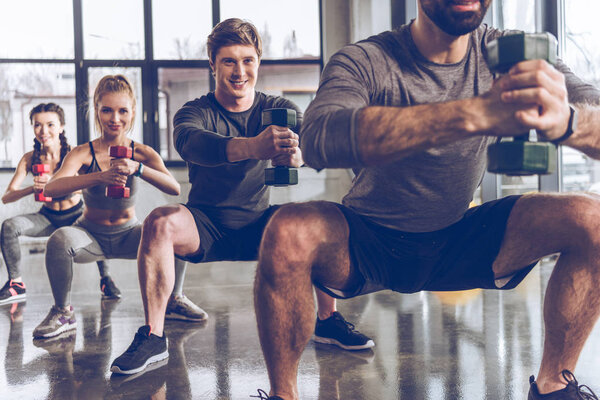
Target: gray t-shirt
x=426 y=191
x=231 y=194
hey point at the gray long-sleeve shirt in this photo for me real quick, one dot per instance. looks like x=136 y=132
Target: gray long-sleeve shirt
x=233 y=194
x=425 y=191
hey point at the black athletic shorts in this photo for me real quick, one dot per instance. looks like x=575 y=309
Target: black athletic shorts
x=60 y=218
x=218 y=243
x=458 y=257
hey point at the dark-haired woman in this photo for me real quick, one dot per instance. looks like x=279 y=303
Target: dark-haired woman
x=50 y=148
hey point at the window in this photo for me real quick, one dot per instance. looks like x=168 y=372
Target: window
x=582 y=55
x=113 y=29
x=36 y=29
x=45 y=56
x=176 y=86
x=22 y=87
x=288 y=28
x=298 y=83
x=515 y=14
x=186 y=39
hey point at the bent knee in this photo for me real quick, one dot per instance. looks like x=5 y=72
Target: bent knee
x=161 y=223
x=9 y=228
x=584 y=212
x=300 y=234
x=60 y=244
x=303 y=225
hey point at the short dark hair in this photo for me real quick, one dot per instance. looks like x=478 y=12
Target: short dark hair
x=230 y=32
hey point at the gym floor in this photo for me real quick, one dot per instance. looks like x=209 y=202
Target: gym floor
x=463 y=345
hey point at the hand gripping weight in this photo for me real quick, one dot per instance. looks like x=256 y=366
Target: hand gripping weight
x=520 y=156
x=280 y=175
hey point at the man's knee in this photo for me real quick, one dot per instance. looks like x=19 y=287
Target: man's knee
x=296 y=229
x=161 y=223
x=584 y=213
x=297 y=235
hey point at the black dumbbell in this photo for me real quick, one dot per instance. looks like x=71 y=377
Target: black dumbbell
x=521 y=156
x=280 y=175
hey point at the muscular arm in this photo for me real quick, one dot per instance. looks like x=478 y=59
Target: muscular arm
x=345 y=128
x=196 y=144
x=199 y=145
x=387 y=134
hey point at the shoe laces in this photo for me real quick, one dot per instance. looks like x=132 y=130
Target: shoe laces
x=570 y=379
x=262 y=395
x=15 y=283
x=138 y=340
x=340 y=321
x=55 y=313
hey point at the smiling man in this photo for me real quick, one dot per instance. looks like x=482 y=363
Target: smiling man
x=221 y=138
x=412 y=111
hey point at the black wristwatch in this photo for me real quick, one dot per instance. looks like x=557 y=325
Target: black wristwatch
x=571 y=127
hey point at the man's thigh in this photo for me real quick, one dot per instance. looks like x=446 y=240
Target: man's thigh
x=542 y=224
x=316 y=233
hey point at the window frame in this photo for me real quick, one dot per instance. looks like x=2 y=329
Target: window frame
x=149 y=111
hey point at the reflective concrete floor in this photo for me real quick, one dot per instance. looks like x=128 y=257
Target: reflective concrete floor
x=469 y=345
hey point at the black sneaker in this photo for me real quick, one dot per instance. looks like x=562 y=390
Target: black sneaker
x=572 y=391
x=146 y=348
x=262 y=395
x=12 y=292
x=336 y=330
x=109 y=289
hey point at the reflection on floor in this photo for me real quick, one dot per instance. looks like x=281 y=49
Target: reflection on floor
x=471 y=345
x=474 y=345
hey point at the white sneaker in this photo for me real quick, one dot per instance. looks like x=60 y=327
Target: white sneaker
x=56 y=322
x=182 y=308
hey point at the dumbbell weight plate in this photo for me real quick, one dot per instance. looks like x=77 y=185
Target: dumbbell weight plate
x=117 y=192
x=281 y=176
x=522 y=158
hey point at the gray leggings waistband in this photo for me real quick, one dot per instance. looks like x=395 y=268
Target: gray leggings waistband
x=93 y=227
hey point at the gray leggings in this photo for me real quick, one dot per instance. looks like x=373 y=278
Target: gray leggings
x=85 y=242
x=38 y=224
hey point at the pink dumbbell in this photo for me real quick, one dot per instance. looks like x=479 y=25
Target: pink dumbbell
x=118 y=191
x=41 y=169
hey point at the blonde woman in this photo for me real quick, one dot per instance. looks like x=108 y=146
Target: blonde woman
x=109 y=227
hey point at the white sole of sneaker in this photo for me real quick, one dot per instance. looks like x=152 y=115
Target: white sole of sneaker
x=151 y=360
x=14 y=299
x=184 y=318
x=334 y=342
x=64 y=328
x=104 y=297
x=121 y=379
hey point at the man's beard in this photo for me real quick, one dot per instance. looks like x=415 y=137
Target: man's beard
x=455 y=24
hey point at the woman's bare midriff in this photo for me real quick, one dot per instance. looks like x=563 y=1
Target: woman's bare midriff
x=108 y=217
x=63 y=204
